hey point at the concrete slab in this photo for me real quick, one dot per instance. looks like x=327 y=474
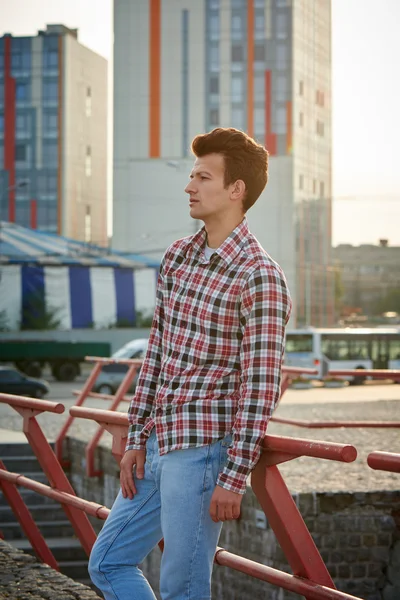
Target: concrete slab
x=9 y=436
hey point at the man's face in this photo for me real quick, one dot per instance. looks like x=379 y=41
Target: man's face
x=208 y=198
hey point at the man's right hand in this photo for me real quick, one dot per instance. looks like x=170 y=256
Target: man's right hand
x=131 y=459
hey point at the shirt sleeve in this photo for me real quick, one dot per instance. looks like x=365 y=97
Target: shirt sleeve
x=142 y=402
x=264 y=313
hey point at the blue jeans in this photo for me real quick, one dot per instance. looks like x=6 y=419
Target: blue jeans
x=172 y=502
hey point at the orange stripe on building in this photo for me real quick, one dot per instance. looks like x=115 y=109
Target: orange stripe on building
x=155 y=78
x=60 y=135
x=250 y=67
x=270 y=138
x=289 y=128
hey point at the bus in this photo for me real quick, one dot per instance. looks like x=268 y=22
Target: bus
x=348 y=348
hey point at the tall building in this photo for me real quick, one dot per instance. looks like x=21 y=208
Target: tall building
x=182 y=67
x=53 y=134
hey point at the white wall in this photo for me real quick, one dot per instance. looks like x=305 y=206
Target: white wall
x=83 y=69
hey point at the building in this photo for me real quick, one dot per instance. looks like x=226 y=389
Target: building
x=53 y=134
x=183 y=67
x=368 y=273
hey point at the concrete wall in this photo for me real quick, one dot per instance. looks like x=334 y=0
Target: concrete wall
x=357 y=534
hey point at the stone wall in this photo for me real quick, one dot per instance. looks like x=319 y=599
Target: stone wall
x=357 y=534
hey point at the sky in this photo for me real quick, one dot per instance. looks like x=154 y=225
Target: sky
x=365 y=100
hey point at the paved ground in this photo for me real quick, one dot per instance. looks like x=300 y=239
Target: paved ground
x=371 y=401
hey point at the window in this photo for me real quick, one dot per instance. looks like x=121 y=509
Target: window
x=88 y=102
x=50 y=91
x=281 y=56
x=237 y=27
x=214 y=57
x=320 y=128
x=314 y=186
x=50 y=59
x=237 y=54
x=281 y=88
x=298 y=343
x=259 y=87
x=21 y=92
x=238 y=118
x=88 y=162
x=1 y=122
x=20 y=152
x=88 y=225
x=214 y=116
x=301 y=182
x=259 y=53
x=259 y=25
x=214 y=26
x=50 y=154
x=321 y=189
x=280 y=124
x=237 y=89
x=259 y=120
x=301 y=88
x=281 y=25
x=214 y=85
x=301 y=119
x=50 y=122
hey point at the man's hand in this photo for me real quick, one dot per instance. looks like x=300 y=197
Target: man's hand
x=225 y=505
x=131 y=459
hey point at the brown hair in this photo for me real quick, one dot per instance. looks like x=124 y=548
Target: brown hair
x=244 y=159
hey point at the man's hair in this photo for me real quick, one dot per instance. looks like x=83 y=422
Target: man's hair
x=244 y=159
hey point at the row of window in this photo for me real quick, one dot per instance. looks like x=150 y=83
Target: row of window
x=23 y=91
x=316 y=189
x=319 y=96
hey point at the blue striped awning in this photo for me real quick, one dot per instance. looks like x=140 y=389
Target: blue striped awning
x=22 y=245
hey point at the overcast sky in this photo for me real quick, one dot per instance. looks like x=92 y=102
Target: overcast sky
x=366 y=100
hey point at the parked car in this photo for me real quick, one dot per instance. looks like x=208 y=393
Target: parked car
x=14 y=382
x=111 y=376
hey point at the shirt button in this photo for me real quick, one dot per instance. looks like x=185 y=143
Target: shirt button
x=175 y=354
x=184 y=323
x=191 y=293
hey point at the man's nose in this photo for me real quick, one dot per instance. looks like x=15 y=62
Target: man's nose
x=190 y=188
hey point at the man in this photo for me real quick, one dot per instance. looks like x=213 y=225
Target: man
x=208 y=386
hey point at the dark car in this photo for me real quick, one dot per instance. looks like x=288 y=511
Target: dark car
x=14 y=382
x=111 y=376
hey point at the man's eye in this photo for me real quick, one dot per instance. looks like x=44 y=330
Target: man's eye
x=202 y=177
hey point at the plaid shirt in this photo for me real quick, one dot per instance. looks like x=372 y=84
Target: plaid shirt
x=213 y=364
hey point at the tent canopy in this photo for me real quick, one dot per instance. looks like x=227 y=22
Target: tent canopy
x=21 y=245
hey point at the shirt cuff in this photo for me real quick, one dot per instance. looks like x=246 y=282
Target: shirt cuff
x=233 y=478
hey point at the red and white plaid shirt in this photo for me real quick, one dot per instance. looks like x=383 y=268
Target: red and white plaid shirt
x=213 y=364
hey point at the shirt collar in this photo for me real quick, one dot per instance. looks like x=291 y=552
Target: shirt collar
x=228 y=249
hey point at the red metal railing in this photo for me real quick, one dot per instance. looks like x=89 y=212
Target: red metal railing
x=275 y=499
x=384 y=461
x=310 y=578
x=86 y=392
x=374 y=373
x=288 y=373
x=29 y=408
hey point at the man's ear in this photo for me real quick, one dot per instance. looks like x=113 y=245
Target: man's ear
x=238 y=190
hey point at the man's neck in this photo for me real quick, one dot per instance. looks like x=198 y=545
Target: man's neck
x=218 y=232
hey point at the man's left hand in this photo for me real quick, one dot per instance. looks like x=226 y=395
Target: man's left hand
x=225 y=505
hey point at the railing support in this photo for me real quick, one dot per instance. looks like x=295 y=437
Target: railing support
x=27 y=522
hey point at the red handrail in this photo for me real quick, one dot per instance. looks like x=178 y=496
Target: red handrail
x=84 y=393
x=336 y=424
x=384 y=461
x=28 y=408
x=374 y=373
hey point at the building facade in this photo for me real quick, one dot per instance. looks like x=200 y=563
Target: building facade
x=182 y=67
x=368 y=273
x=53 y=134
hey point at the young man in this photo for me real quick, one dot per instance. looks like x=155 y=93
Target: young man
x=208 y=386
